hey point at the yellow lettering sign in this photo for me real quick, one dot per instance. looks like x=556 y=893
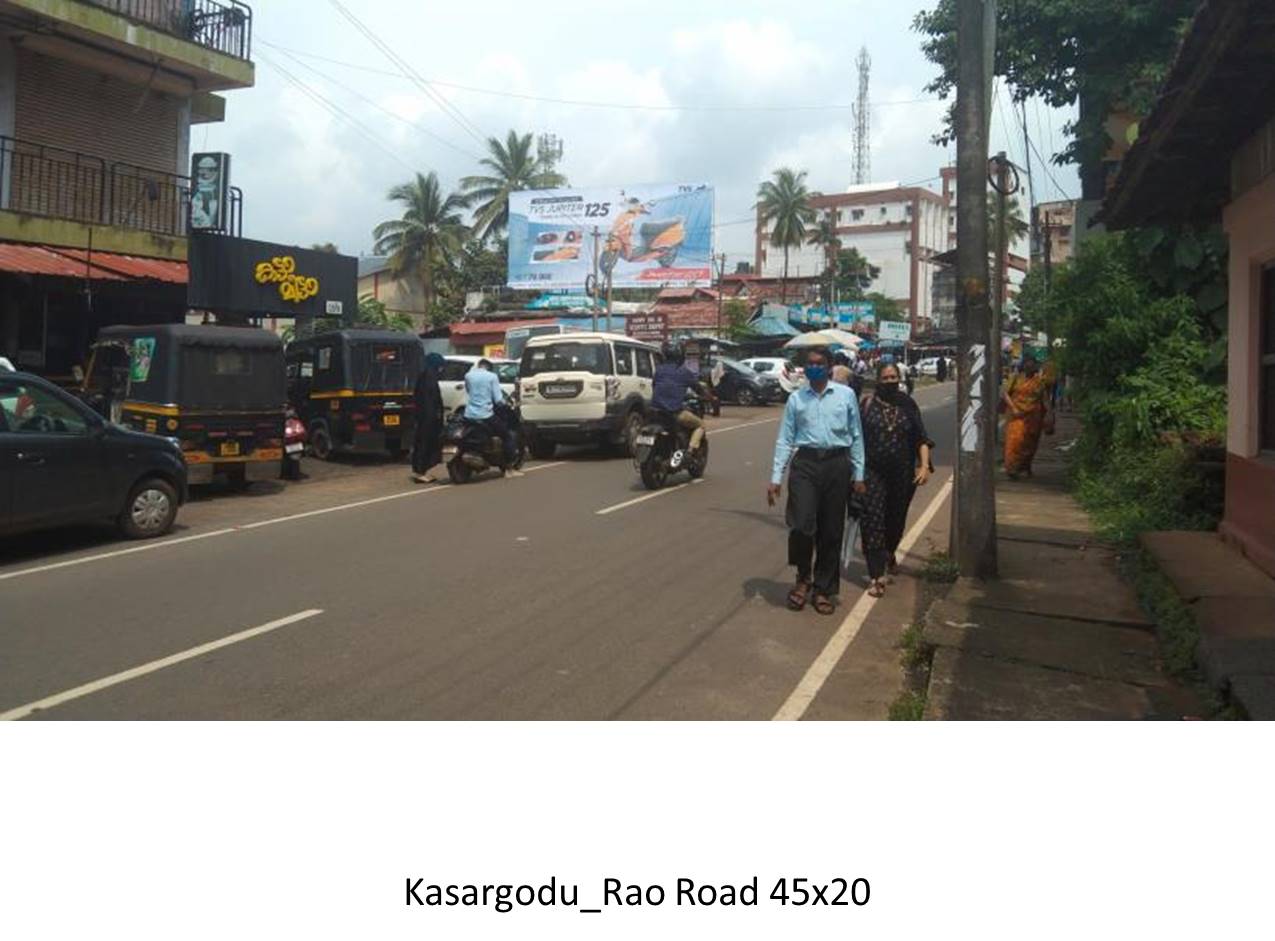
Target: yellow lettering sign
x=282 y=270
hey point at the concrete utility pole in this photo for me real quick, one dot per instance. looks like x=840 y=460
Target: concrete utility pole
x=1049 y=283
x=1002 y=269
x=721 y=273
x=973 y=540
x=609 y=299
x=595 y=279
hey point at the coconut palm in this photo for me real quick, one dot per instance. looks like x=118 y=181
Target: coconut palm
x=785 y=201
x=825 y=234
x=513 y=167
x=429 y=233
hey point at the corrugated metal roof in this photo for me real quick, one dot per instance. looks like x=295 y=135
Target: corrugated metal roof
x=133 y=266
x=480 y=327
x=35 y=259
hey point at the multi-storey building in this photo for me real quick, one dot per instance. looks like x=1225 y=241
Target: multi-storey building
x=97 y=102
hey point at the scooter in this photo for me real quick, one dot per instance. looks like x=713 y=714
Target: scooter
x=469 y=448
x=658 y=241
x=662 y=448
x=294 y=439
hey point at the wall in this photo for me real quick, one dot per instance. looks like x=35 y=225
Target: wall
x=399 y=295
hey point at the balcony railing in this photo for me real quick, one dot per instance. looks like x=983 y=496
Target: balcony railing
x=62 y=184
x=221 y=25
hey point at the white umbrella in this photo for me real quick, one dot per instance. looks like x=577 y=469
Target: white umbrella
x=830 y=337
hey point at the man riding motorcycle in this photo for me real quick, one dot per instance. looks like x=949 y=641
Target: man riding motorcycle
x=672 y=379
x=483 y=394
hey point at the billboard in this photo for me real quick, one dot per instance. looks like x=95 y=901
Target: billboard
x=646 y=236
x=262 y=278
x=650 y=327
x=899 y=331
x=210 y=191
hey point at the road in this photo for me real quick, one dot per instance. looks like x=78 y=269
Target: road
x=570 y=593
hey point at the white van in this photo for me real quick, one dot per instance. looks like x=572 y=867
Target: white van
x=582 y=388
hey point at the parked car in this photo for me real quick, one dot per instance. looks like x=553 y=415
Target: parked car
x=789 y=375
x=744 y=386
x=451 y=379
x=62 y=463
x=928 y=367
x=581 y=388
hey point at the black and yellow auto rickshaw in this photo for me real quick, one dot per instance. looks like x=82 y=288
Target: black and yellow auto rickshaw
x=220 y=391
x=353 y=389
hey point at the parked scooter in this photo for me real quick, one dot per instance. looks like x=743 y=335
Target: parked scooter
x=294 y=439
x=469 y=449
x=659 y=240
x=663 y=448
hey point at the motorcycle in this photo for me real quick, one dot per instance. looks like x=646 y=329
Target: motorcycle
x=658 y=241
x=469 y=448
x=294 y=439
x=662 y=448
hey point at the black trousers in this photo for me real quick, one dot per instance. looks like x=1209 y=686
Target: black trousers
x=816 y=516
x=885 y=514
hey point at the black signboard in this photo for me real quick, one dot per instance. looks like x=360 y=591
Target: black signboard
x=250 y=277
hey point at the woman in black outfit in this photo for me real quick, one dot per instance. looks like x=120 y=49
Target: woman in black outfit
x=427 y=448
x=898 y=456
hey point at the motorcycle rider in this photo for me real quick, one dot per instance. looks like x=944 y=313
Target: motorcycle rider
x=672 y=379
x=483 y=394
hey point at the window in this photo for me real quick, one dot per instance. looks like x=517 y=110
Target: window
x=883 y=210
x=32 y=410
x=624 y=360
x=908 y=210
x=231 y=363
x=856 y=214
x=567 y=357
x=645 y=364
x=454 y=370
x=507 y=372
x=1266 y=406
x=325 y=357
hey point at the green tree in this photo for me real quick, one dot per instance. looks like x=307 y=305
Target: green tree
x=513 y=166
x=372 y=313
x=887 y=308
x=329 y=247
x=853 y=275
x=1100 y=54
x=428 y=235
x=785 y=200
x=735 y=317
x=824 y=235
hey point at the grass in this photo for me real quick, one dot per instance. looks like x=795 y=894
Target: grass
x=916 y=652
x=915 y=657
x=1177 y=630
x=941 y=568
x=909 y=707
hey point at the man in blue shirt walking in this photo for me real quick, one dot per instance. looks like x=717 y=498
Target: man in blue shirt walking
x=482 y=395
x=821 y=434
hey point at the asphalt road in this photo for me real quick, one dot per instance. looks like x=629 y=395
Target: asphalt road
x=570 y=593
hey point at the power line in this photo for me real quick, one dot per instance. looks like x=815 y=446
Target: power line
x=1048 y=172
x=580 y=103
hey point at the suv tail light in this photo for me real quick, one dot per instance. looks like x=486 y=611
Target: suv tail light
x=613 y=388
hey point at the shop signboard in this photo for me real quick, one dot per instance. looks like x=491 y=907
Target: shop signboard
x=246 y=276
x=653 y=327
x=899 y=331
x=854 y=311
x=646 y=236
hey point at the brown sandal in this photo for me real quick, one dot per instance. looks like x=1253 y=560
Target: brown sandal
x=824 y=605
x=798 y=596
x=876 y=589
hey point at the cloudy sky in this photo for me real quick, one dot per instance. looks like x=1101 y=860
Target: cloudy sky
x=695 y=91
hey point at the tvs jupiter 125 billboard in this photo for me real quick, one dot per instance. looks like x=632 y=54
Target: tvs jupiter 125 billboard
x=646 y=236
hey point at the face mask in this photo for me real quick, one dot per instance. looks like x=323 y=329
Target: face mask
x=888 y=388
x=817 y=373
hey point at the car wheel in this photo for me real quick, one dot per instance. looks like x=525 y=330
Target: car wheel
x=632 y=428
x=150 y=509
x=745 y=396
x=320 y=442
x=542 y=450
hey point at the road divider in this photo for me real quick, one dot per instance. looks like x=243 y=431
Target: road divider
x=115 y=679
x=817 y=675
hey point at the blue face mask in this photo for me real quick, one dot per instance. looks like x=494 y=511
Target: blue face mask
x=817 y=373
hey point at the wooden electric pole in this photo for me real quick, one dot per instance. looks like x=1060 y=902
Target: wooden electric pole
x=973 y=540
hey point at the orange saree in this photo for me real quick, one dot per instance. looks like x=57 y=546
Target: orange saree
x=1022 y=430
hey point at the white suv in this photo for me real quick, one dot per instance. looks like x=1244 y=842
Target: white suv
x=582 y=388
x=451 y=379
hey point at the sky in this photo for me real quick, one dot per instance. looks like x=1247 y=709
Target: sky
x=694 y=92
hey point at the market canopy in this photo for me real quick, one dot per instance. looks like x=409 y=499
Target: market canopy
x=829 y=338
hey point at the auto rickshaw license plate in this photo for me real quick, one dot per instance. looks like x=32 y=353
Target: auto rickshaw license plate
x=391 y=420
x=230 y=449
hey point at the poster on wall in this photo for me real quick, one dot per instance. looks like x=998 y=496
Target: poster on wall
x=210 y=191
x=646 y=236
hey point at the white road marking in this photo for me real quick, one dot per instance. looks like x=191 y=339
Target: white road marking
x=21 y=712
x=159 y=544
x=747 y=424
x=799 y=701
x=438 y=488
x=528 y=470
x=645 y=497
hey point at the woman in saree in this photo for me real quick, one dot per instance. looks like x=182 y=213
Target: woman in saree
x=1026 y=400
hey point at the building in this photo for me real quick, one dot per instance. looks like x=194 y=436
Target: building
x=897 y=229
x=399 y=294
x=1017 y=257
x=1057 y=223
x=97 y=102
x=689 y=310
x=1207 y=152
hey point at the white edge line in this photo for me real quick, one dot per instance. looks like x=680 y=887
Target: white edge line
x=800 y=699
x=159 y=544
x=345 y=506
x=647 y=496
x=747 y=424
x=538 y=467
x=21 y=712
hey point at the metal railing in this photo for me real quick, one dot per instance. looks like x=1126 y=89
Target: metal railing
x=221 y=25
x=62 y=184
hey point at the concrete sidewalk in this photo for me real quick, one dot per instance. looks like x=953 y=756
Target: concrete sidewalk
x=1060 y=634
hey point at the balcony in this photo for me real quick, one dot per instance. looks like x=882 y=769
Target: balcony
x=51 y=183
x=224 y=27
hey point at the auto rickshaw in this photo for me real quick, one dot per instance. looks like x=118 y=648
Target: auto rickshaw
x=219 y=391
x=353 y=389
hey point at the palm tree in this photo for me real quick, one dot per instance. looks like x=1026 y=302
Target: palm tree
x=785 y=201
x=429 y=233
x=513 y=167
x=825 y=234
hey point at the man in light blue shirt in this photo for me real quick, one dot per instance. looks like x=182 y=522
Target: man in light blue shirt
x=820 y=433
x=482 y=395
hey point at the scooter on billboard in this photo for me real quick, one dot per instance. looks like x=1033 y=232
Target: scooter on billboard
x=657 y=241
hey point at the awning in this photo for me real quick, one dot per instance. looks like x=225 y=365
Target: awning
x=76 y=263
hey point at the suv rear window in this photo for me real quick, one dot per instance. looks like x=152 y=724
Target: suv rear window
x=567 y=357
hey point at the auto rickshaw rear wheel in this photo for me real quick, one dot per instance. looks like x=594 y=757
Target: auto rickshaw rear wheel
x=320 y=441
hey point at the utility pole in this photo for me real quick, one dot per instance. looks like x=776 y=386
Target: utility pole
x=595 y=279
x=1031 y=187
x=609 y=299
x=1002 y=269
x=1049 y=281
x=721 y=273
x=973 y=541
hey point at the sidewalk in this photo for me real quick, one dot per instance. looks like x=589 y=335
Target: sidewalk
x=1060 y=634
